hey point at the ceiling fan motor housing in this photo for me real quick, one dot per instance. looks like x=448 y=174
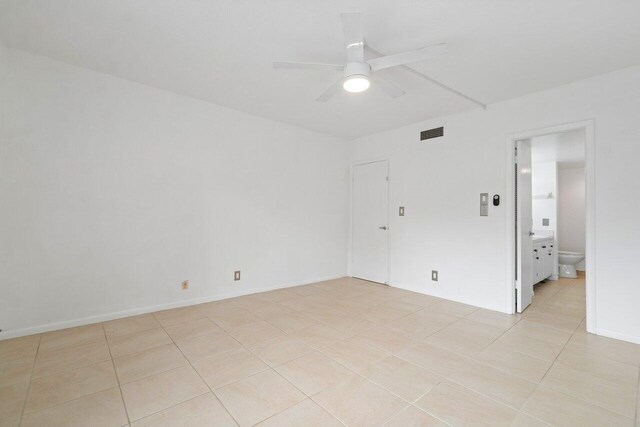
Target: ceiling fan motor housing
x=353 y=69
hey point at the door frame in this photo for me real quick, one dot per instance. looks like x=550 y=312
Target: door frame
x=350 y=237
x=590 y=196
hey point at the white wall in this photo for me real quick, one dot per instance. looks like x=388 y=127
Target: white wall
x=439 y=184
x=572 y=211
x=112 y=193
x=4 y=60
x=544 y=180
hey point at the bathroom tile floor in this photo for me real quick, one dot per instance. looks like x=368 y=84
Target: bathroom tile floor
x=341 y=352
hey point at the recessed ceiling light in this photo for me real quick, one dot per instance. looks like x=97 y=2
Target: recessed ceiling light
x=356 y=84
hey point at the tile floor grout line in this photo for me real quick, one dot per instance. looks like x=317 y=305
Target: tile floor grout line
x=305 y=395
x=396 y=414
x=535 y=418
x=508 y=372
x=115 y=372
x=475 y=392
x=24 y=401
x=424 y=340
x=172 y=406
x=200 y=376
x=430 y=414
x=524 y=404
x=134 y=353
x=486 y=396
x=446 y=377
x=547 y=371
x=637 y=415
x=583 y=401
x=272 y=368
x=308 y=398
x=231 y=383
x=269 y=367
x=464 y=355
x=327 y=410
x=525 y=354
x=356 y=373
x=139 y=353
x=580 y=398
x=520 y=320
x=559 y=353
x=76 y=398
x=386 y=389
x=553 y=327
x=71 y=400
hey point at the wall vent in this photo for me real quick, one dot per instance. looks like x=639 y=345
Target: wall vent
x=432 y=133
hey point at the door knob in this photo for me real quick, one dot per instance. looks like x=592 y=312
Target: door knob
x=531 y=233
x=384 y=227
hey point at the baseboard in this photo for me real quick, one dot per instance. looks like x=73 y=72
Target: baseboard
x=617 y=336
x=48 y=327
x=408 y=288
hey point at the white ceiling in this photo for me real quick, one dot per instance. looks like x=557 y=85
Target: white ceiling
x=221 y=50
x=566 y=148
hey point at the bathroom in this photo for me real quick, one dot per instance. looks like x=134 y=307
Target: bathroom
x=558 y=205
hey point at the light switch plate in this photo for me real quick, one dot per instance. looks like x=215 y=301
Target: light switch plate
x=484 y=204
x=236 y=275
x=545 y=222
x=401 y=211
x=434 y=275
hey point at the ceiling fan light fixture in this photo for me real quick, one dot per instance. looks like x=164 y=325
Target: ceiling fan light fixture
x=356 y=84
x=358 y=69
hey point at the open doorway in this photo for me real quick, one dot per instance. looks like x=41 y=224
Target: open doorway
x=551 y=225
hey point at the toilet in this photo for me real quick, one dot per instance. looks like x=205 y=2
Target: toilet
x=568 y=261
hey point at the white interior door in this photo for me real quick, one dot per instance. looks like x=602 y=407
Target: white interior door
x=370 y=222
x=524 y=225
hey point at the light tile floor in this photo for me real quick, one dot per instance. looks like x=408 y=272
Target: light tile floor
x=341 y=352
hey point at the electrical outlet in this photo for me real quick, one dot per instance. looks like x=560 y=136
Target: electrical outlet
x=434 y=275
x=185 y=285
x=401 y=211
x=236 y=275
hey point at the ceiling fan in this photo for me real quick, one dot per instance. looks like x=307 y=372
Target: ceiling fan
x=357 y=73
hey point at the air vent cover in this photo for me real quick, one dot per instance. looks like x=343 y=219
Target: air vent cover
x=432 y=133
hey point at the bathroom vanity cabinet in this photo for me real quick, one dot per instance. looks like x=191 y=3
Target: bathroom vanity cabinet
x=543 y=258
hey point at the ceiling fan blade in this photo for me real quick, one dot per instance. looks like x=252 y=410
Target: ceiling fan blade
x=430 y=80
x=407 y=57
x=389 y=88
x=306 y=66
x=329 y=92
x=354 y=40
